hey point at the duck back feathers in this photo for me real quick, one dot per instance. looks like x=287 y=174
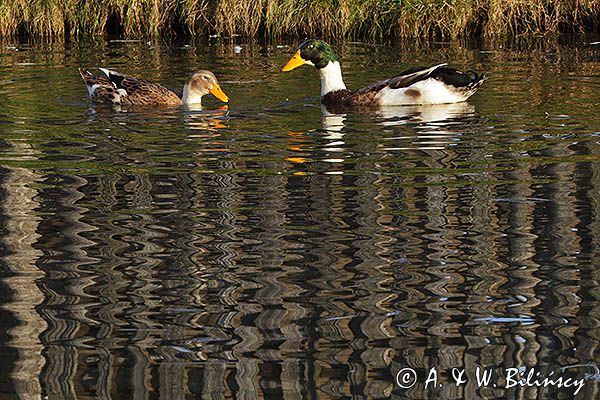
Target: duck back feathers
x=115 y=88
x=100 y=88
x=419 y=85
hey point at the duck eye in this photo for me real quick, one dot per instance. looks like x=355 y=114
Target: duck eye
x=205 y=78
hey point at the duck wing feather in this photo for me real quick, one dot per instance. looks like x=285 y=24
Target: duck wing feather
x=137 y=91
x=100 y=88
x=465 y=82
x=368 y=94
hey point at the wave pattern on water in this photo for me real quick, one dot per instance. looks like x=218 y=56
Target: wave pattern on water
x=275 y=250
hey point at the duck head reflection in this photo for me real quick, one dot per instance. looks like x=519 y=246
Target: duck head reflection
x=197 y=118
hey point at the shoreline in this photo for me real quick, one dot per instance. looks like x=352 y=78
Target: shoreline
x=349 y=19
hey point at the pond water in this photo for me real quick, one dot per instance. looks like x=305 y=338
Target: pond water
x=270 y=250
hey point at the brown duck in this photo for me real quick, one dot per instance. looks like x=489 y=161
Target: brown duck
x=114 y=88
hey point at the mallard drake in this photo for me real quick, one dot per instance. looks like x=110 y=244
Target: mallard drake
x=119 y=89
x=420 y=85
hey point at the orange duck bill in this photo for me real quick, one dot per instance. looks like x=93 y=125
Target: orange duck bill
x=218 y=93
x=294 y=62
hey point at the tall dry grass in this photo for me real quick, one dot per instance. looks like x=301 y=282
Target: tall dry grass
x=337 y=18
x=513 y=17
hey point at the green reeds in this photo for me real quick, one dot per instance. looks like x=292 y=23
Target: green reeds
x=337 y=18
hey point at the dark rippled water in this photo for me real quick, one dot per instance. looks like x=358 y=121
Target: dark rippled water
x=270 y=250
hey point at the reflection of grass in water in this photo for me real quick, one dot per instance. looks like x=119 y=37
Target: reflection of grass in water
x=363 y=18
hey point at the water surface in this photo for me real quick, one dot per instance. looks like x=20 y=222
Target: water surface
x=271 y=250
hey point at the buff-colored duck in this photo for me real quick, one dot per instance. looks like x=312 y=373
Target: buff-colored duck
x=119 y=89
x=421 y=85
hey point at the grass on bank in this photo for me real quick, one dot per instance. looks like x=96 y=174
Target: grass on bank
x=339 y=18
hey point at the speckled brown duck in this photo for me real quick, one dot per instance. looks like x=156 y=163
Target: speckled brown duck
x=115 y=88
x=420 y=85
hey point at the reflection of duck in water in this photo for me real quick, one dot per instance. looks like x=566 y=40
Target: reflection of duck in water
x=114 y=88
x=435 y=114
x=205 y=120
x=333 y=124
x=421 y=85
x=431 y=113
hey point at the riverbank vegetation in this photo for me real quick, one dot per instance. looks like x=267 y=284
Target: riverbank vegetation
x=329 y=18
